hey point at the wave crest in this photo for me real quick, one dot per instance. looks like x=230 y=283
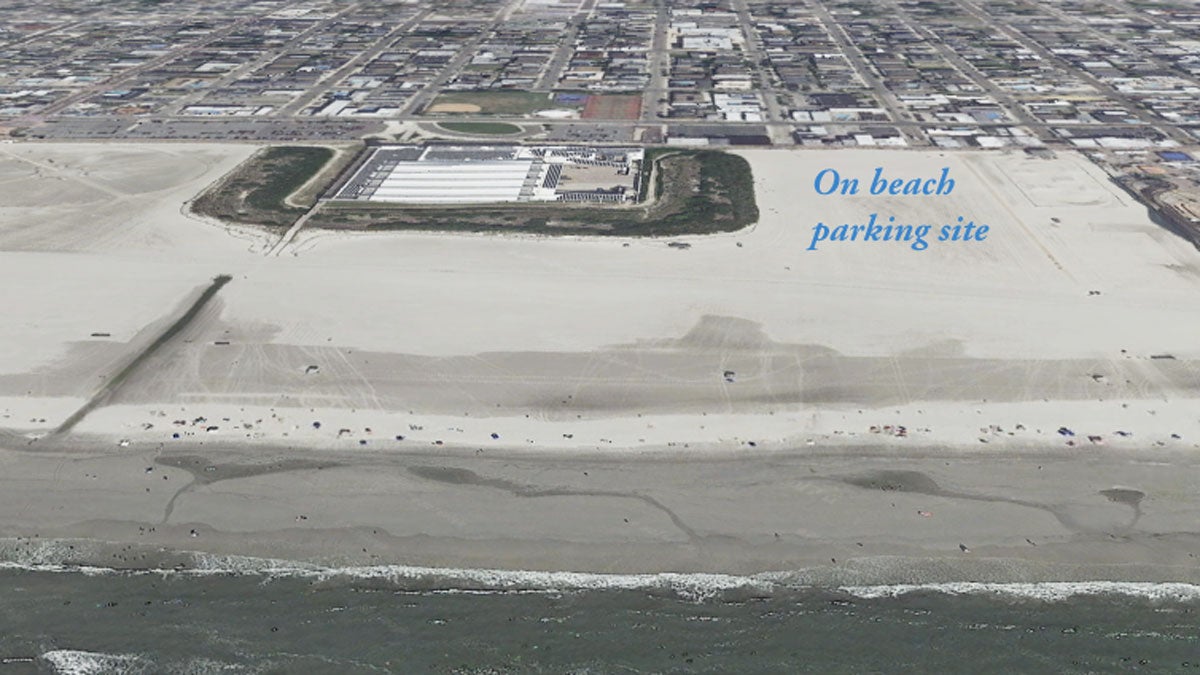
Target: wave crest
x=78 y=662
x=695 y=587
x=1047 y=591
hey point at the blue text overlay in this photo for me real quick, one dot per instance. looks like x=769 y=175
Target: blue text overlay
x=879 y=228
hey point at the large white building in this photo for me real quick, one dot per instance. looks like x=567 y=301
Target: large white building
x=444 y=174
x=449 y=182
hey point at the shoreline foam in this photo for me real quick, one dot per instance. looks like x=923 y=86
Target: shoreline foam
x=695 y=587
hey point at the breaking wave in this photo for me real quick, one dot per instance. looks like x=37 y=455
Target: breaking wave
x=79 y=662
x=76 y=662
x=1048 y=591
x=695 y=587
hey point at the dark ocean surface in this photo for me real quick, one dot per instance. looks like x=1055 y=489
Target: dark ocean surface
x=84 y=620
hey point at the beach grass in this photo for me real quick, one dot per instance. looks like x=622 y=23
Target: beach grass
x=256 y=192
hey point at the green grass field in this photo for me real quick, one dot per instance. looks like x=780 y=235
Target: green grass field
x=481 y=128
x=493 y=102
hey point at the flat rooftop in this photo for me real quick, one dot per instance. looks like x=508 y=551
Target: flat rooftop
x=463 y=182
x=440 y=174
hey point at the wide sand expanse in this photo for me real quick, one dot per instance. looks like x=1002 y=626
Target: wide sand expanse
x=1076 y=311
x=861 y=517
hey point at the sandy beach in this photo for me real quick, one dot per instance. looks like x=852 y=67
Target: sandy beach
x=834 y=517
x=482 y=401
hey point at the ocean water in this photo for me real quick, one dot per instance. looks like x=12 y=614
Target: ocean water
x=267 y=618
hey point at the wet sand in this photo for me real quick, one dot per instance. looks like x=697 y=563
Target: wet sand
x=833 y=517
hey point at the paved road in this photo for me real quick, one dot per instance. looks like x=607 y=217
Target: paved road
x=1015 y=110
x=659 y=63
x=766 y=75
x=131 y=73
x=867 y=72
x=353 y=65
x=191 y=99
x=1050 y=57
x=912 y=127
x=465 y=53
x=566 y=47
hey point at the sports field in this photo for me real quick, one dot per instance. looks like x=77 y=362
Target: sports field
x=612 y=107
x=481 y=128
x=491 y=103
